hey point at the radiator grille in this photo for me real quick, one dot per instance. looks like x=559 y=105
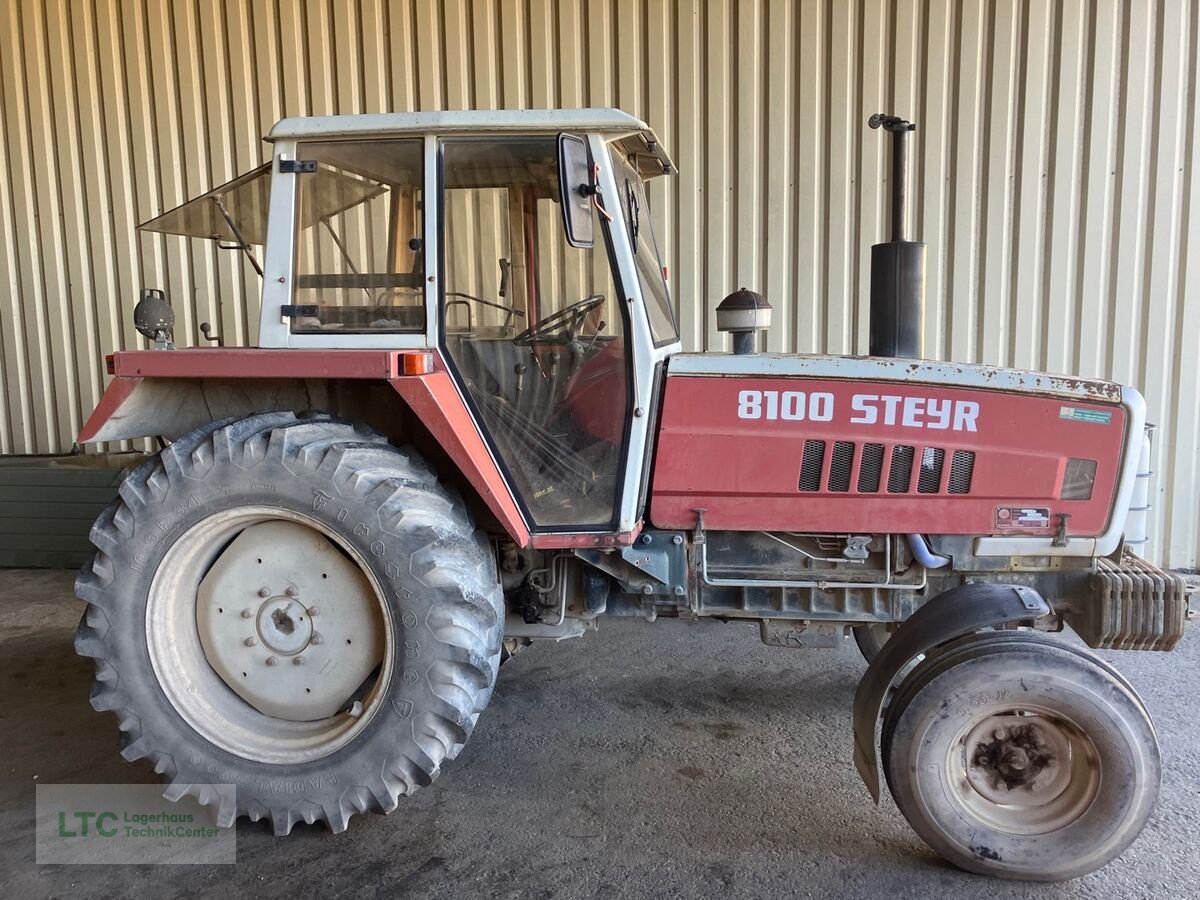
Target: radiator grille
x=840 y=466
x=871 y=469
x=873 y=458
x=900 y=473
x=962 y=464
x=810 y=468
x=930 y=478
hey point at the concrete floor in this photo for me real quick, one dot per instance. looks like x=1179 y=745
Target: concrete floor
x=670 y=760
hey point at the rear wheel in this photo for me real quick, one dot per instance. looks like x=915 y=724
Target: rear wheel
x=1019 y=756
x=295 y=608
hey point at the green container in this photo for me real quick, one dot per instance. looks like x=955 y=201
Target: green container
x=48 y=504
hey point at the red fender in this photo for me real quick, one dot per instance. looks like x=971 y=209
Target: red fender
x=159 y=392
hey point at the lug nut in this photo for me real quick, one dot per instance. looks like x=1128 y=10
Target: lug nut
x=1000 y=734
x=312 y=610
x=677 y=540
x=291 y=592
x=298 y=661
x=646 y=538
x=646 y=589
x=250 y=642
x=272 y=661
x=247 y=613
x=316 y=638
x=679 y=590
x=264 y=592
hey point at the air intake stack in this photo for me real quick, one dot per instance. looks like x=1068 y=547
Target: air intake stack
x=898 y=266
x=743 y=314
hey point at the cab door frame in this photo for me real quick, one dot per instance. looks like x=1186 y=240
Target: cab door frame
x=642 y=358
x=645 y=357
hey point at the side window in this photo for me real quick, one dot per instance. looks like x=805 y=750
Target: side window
x=359 y=261
x=535 y=330
x=659 y=308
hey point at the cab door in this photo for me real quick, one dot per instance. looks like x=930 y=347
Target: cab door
x=535 y=331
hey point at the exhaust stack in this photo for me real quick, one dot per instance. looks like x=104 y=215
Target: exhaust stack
x=898 y=266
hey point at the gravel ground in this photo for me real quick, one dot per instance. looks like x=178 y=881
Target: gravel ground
x=667 y=760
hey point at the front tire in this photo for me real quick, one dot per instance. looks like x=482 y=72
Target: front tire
x=870 y=639
x=423 y=598
x=1016 y=755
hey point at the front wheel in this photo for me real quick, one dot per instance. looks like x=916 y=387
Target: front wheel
x=1019 y=756
x=295 y=608
x=870 y=639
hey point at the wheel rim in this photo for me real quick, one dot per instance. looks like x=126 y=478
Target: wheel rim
x=1025 y=771
x=176 y=637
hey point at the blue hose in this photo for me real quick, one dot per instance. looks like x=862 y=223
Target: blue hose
x=925 y=556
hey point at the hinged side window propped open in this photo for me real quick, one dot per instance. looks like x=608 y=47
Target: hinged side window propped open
x=236 y=212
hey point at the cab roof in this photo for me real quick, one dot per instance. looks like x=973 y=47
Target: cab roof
x=613 y=123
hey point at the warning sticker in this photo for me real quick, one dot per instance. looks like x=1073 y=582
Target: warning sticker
x=1077 y=414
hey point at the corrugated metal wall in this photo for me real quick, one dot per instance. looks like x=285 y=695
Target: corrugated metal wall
x=1054 y=168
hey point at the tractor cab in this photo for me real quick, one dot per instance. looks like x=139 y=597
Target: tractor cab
x=534 y=270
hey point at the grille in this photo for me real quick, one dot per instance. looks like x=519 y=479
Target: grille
x=810 y=468
x=840 y=466
x=931 y=465
x=900 y=473
x=930 y=477
x=962 y=464
x=871 y=469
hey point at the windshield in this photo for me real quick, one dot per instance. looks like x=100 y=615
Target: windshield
x=655 y=292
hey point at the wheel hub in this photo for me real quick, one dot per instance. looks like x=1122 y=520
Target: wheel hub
x=284 y=625
x=1015 y=756
x=289 y=623
x=1027 y=772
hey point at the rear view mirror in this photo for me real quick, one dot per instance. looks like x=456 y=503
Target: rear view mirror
x=575 y=190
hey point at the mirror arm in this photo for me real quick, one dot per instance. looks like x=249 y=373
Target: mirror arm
x=597 y=199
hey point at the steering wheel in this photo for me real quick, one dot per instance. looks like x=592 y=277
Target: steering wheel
x=566 y=319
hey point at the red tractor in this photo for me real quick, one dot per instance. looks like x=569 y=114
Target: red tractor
x=469 y=425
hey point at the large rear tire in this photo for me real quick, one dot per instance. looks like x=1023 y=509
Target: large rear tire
x=1019 y=756
x=422 y=586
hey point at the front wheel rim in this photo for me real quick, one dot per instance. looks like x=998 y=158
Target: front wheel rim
x=1026 y=771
